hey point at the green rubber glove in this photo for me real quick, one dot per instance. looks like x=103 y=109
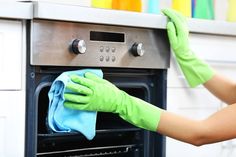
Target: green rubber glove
x=195 y=70
x=96 y=94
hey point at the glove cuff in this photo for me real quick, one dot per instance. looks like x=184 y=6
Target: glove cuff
x=195 y=70
x=141 y=113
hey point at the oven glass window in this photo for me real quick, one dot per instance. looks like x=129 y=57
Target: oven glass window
x=104 y=120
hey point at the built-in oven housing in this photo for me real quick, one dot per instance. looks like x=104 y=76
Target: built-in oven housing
x=49 y=54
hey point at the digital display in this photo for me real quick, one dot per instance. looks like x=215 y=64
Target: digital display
x=107 y=36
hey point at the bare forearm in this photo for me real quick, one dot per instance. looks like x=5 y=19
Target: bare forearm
x=223 y=88
x=218 y=127
x=179 y=127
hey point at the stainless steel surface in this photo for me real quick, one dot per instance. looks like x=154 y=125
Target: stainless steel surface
x=51 y=39
x=16 y=10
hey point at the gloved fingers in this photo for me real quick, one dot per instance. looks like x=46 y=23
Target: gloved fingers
x=174 y=17
x=179 y=15
x=82 y=81
x=93 y=77
x=169 y=12
x=172 y=34
x=81 y=99
x=75 y=106
x=74 y=87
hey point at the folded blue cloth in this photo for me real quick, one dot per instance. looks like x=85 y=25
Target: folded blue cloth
x=61 y=119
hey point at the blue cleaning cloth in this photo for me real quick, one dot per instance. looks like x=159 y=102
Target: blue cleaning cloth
x=61 y=119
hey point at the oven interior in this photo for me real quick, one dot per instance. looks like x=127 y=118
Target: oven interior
x=114 y=136
x=105 y=121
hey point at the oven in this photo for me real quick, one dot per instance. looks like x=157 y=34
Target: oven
x=134 y=59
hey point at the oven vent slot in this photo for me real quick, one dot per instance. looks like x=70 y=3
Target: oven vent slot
x=96 y=151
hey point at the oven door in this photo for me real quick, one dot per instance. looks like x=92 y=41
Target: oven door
x=114 y=136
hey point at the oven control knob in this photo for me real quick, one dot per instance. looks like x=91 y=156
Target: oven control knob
x=137 y=49
x=78 y=46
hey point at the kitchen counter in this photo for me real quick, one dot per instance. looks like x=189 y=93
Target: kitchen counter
x=54 y=11
x=212 y=27
x=75 y=13
x=96 y=15
x=16 y=10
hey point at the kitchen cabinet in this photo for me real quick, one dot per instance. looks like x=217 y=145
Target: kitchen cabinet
x=13 y=17
x=12 y=88
x=10 y=55
x=12 y=80
x=12 y=107
x=12 y=123
x=220 y=52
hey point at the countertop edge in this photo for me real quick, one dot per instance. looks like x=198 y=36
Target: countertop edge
x=16 y=10
x=75 y=13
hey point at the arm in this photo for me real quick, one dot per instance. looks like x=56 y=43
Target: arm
x=196 y=71
x=92 y=93
x=223 y=88
x=218 y=127
x=95 y=94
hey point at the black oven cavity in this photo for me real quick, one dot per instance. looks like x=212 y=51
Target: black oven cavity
x=114 y=137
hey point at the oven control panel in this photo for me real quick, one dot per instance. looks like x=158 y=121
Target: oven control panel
x=56 y=43
x=78 y=46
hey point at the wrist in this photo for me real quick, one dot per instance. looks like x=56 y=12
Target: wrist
x=195 y=70
x=140 y=113
x=182 y=53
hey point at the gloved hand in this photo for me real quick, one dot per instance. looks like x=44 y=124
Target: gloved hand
x=96 y=94
x=195 y=70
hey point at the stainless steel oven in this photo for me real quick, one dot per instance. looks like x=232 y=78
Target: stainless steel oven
x=133 y=58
